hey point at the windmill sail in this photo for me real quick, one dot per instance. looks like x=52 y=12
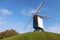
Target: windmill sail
x=38 y=9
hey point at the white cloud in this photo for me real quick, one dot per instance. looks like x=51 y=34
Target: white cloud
x=55 y=28
x=3 y=23
x=28 y=11
x=31 y=11
x=1 y=17
x=4 y=12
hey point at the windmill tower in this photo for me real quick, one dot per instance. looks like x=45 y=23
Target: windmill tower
x=38 y=19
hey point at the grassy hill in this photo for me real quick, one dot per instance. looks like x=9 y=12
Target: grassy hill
x=35 y=36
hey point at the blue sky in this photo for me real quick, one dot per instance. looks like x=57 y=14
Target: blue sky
x=14 y=14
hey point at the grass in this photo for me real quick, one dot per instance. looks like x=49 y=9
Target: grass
x=35 y=36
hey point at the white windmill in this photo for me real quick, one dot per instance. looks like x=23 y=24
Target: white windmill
x=37 y=19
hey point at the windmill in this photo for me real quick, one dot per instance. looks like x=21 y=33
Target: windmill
x=37 y=19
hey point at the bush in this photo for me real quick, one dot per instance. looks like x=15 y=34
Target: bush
x=8 y=33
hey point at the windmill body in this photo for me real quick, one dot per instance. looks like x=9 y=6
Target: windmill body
x=37 y=23
x=40 y=22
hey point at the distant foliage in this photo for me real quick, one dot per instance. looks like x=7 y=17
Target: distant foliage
x=8 y=33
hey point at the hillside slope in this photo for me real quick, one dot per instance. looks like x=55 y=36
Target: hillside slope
x=35 y=36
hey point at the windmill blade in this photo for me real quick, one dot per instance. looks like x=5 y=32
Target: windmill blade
x=44 y=17
x=39 y=7
x=30 y=14
x=28 y=23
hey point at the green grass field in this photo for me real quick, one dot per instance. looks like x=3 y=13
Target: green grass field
x=35 y=36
